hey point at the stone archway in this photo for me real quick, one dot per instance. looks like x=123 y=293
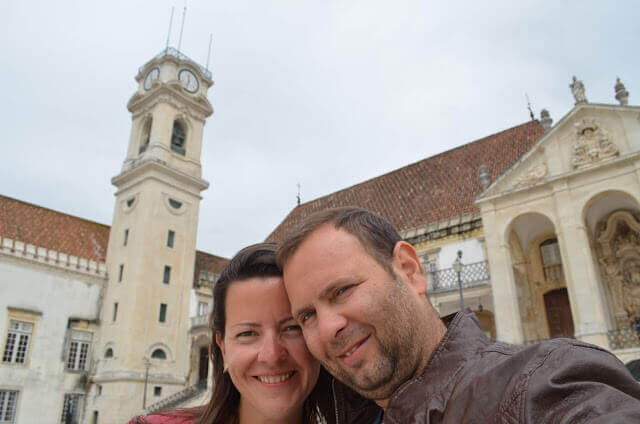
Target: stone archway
x=538 y=270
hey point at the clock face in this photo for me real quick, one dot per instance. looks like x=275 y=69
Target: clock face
x=189 y=80
x=151 y=76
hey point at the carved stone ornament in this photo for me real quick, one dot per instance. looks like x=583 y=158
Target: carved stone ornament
x=534 y=175
x=592 y=144
x=622 y=95
x=618 y=249
x=577 y=89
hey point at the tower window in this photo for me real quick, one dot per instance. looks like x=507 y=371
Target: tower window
x=126 y=237
x=175 y=204
x=167 y=274
x=170 y=238
x=146 y=136
x=163 y=313
x=120 y=272
x=178 y=138
x=108 y=353
x=157 y=391
x=158 y=354
x=115 y=311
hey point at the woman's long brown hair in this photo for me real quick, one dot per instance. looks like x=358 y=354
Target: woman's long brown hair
x=258 y=260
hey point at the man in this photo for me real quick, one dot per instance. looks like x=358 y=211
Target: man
x=358 y=292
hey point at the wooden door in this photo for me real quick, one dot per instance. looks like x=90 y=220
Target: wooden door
x=559 y=319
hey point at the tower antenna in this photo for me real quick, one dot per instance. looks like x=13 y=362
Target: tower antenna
x=298 y=196
x=529 y=107
x=184 y=12
x=209 y=52
x=169 y=32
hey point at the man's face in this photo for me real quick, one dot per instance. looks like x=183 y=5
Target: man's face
x=356 y=318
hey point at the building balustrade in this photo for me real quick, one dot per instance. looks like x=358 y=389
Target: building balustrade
x=623 y=338
x=199 y=321
x=472 y=275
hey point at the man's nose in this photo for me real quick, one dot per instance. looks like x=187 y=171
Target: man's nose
x=331 y=325
x=272 y=349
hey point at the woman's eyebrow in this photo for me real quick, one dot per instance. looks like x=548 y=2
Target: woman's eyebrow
x=246 y=324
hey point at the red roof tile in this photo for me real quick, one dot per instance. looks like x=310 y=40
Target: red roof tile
x=431 y=190
x=209 y=262
x=53 y=230
x=68 y=234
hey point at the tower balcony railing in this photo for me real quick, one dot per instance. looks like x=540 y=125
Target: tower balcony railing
x=173 y=52
x=472 y=275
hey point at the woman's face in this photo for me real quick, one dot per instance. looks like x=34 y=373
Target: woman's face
x=264 y=349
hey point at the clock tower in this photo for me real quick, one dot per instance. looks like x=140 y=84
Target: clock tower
x=142 y=354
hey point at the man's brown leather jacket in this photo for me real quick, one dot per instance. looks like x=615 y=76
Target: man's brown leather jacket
x=470 y=379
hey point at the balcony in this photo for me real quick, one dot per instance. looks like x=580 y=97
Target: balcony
x=472 y=275
x=199 y=321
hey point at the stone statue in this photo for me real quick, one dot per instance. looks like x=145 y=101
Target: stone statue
x=622 y=95
x=577 y=88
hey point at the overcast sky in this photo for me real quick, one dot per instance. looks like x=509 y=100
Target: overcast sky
x=322 y=93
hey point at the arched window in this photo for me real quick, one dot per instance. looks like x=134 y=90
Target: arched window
x=159 y=354
x=108 y=353
x=178 y=138
x=551 y=259
x=146 y=136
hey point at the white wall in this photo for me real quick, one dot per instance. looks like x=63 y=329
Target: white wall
x=471 y=252
x=58 y=295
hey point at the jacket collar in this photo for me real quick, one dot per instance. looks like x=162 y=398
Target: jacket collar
x=434 y=386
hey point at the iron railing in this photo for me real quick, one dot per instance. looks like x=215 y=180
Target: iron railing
x=623 y=338
x=199 y=321
x=171 y=51
x=472 y=275
x=177 y=398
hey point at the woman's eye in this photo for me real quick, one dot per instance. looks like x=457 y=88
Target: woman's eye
x=245 y=334
x=292 y=329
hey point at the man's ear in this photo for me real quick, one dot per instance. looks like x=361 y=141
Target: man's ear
x=406 y=263
x=220 y=344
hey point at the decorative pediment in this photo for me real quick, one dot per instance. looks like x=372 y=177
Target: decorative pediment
x=592 y=144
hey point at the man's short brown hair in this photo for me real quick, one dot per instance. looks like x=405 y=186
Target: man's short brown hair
x=376 y=234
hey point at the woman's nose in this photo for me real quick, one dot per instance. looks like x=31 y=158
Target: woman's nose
x=272 y=349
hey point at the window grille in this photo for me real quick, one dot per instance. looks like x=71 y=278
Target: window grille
x=71 y=408
x=8 y=402
x=17 y=344
x=551 y=259
x=78 y=351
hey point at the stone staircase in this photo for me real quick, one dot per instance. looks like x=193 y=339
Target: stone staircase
x=177 y=398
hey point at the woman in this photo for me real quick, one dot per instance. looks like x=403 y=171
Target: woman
x=262 y=370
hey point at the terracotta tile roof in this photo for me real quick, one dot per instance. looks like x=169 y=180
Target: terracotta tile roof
x=433 y=189
x=53 y=230
x=209 y=262
x=75 y=236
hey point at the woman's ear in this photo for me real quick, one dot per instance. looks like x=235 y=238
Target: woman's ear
x=220 y=344
x=407 y=264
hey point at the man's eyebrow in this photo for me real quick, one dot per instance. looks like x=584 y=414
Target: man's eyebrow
x=285 y=319
x=326 y=292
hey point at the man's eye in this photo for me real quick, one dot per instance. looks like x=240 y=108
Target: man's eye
x=342 y=290
x=306 y=316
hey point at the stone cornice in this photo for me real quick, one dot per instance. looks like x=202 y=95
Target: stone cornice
x=171 y=93
x=116 y=376
x=52 y=258
x=155 y=168
x=444 y=228
x=562 y=177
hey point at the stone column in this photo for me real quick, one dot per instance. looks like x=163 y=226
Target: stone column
x=585 y=297
x=503 y=287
